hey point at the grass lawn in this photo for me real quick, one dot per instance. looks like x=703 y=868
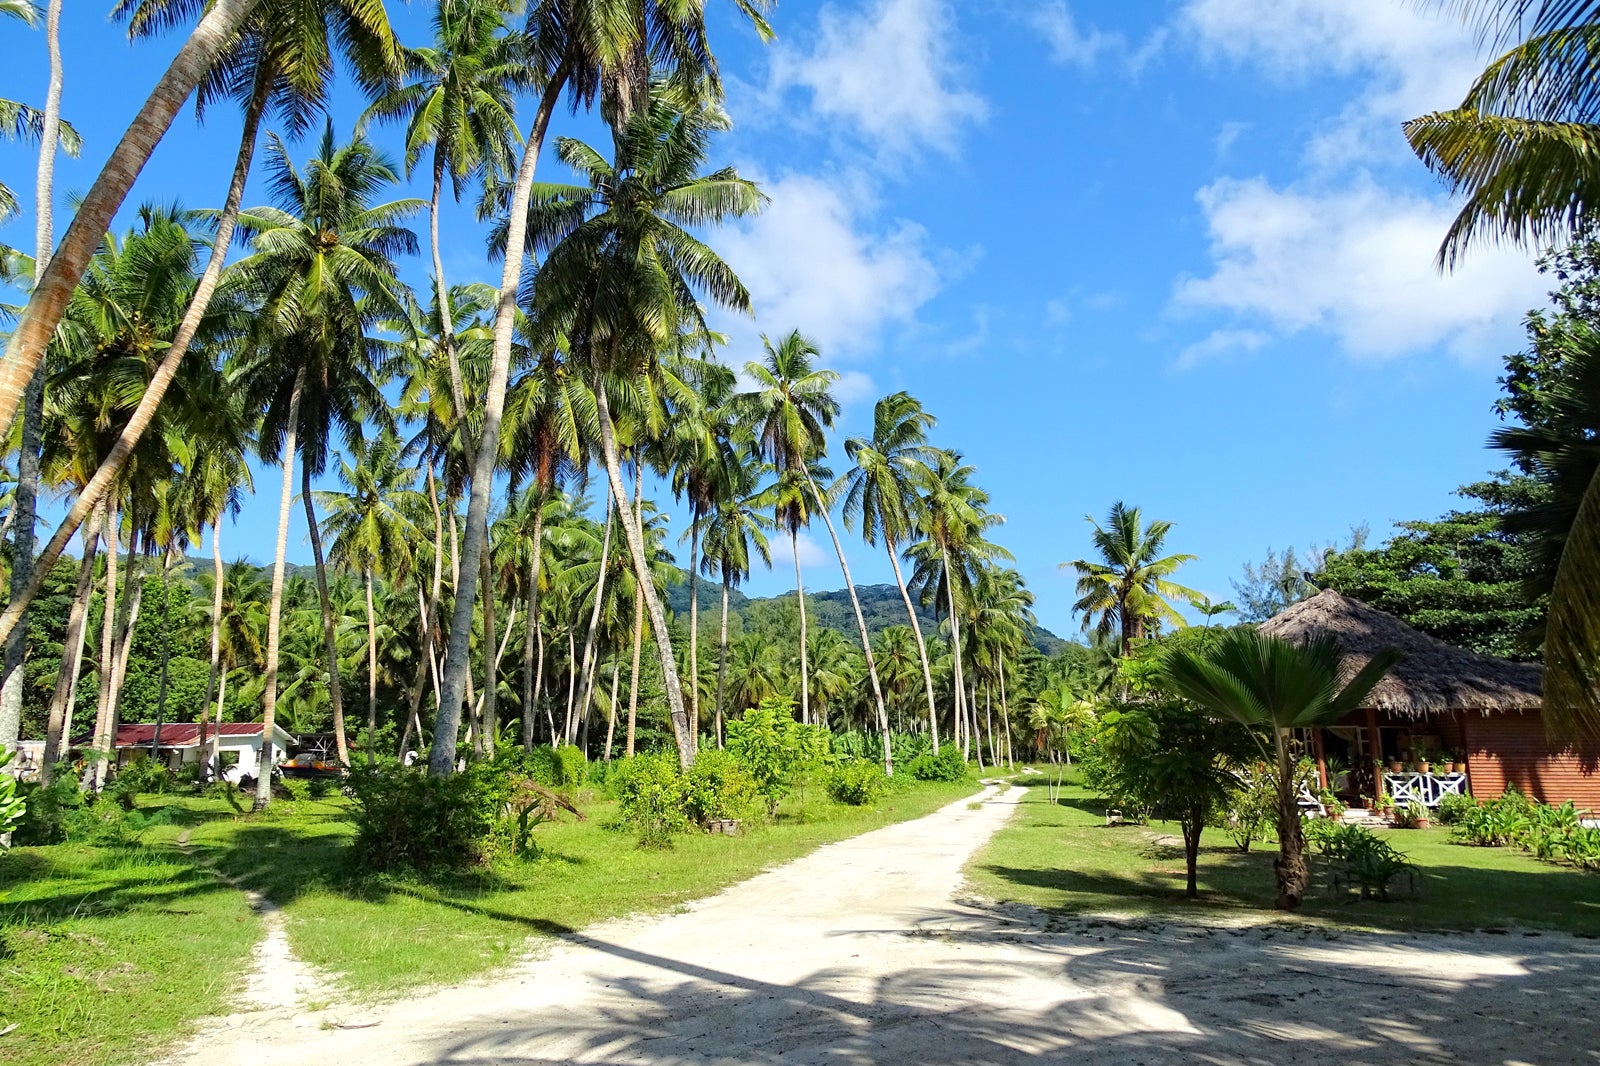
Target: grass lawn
x=106 y=954
x=1063 y=857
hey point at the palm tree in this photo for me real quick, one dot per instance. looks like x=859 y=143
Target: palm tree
x=833 y=665
x=238 y=619
x=1519 y=146
x=461 y=105
x=371 y=534
x=790 y=407
x=589 y=50
x=320 y=273
x=280 y=61
x=26 y=347
x=880 y=495
x=620 y=280
x=1128 y=589
x=1267 y=682
x=753 y=671
x=735 y=528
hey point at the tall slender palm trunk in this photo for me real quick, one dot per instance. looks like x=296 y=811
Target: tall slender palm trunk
x=861 y=625
x=26 y=347
x=95 y=776
x=572 y=686
x=1005 y=717
x=216 y=734
x=372 y=675
x=216 y=638
x=800 y=598
x=330 y=639
x=530 y=641
x=722 y=655
x=955 y=644
x=58 y=726
x=922 y=645
x=611 y=716
x=269 y=692
x=682 y=732
x=638 y=646
x=591 y=641
x=442 y=757
x=447 y=329
x=694 y=623
x=111 y=466
x=489 y=718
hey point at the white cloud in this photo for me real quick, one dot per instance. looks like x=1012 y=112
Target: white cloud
x=1070 y=44
x=812 y=263
x=886 y=72
x=1357 y=263
x=1414 y=60
x=1222 y=342
x=812 y=553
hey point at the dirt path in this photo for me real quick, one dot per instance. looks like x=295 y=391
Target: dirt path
x=863 y=952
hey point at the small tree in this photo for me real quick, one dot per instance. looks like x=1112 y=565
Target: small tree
x=1262 y=681
x=11 y=804
x=771 y=745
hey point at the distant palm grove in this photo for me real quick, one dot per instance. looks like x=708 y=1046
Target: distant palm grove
x=490 y=570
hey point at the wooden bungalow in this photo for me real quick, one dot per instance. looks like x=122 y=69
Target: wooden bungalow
x=1443 y=705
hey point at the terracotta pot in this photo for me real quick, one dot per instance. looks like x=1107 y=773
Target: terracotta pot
x=1422 y=823
x=1458 y=767
x=1424 y=767
x=1396 y=766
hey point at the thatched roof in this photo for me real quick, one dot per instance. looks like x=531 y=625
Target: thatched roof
x=1433 y=678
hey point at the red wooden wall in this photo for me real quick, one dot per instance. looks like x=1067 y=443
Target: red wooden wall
x=1506 y=749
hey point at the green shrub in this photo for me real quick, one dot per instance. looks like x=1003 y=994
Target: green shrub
x=653 y=798
x=296 y=788
x=1358 y=858
x=772 y=746
x=12 y=804
x=47 y=807
x=406 y=819
x=948 y=765
x=539 y=763
x=857 y=782
x=571 y=767
x=1452 y=808
x=718 y=787
x=144 y=775
x=526 y=805
x=318 y=788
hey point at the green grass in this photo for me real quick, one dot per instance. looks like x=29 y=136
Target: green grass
x=1063 y=857
x=108 y=953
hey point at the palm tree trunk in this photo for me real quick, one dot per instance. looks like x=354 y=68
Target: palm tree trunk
x=489 y=720
x=217 y=576
x=329 y=627
x=572 y=687
x=166 y=646
x=638 y=646
x=49 y=133
x=922 y=646
x=861 y=624
x=95 y=776
x=800 y=598
x=372 y=675
x=530 y=644
x=694 y=623
x=216 y=734
x=611 y=718
x=133 y=599
x=269 y=692
x=722 y=655
x=447 y=329
x=682 y=732
x=59 y=726
x=25 y=350
x=1005 y=718
x=111 y=466
x=955 y=640
x=1293 y=876
x=590 y=642
x=442 y=758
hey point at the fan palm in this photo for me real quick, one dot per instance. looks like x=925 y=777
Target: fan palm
x=1266 y=682
x=1128 y=587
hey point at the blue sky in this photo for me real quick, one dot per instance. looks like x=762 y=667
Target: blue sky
x=1172 y=253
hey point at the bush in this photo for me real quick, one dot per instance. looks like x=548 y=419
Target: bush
x=539 y=763
x=857 y=782
x=571 y=767
x=406 y=819
x=718 y=787
x=296 y=789
x=1555 y=834
x=44 y=819
x=318 y=788
x=12 y=804
x=653 y=798
x=772 y=746
x=1452 y=808
x=527 y=804
x=144 y=775
x=948 y=765
x=1359 y=858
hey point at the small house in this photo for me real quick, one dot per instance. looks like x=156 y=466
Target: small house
x=1440 y=708
x=180 y=744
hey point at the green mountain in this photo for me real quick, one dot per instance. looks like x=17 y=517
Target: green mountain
x=880 y=605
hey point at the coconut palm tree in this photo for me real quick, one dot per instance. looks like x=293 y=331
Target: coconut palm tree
x=789 y=408
x=1128 y=587
x=1266 y=682
x=620 y=281
x=238 y=622
x=735 y=531
x=320 y=274
x=371 y=534
x=880 y=495
x=281 y=61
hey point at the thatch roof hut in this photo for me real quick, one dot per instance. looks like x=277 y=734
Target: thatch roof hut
x=1433 y=678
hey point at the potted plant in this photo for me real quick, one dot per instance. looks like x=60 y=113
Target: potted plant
x=1424 y=763
x=1330 y=804
x=1362 y=803
x=1412 y=816
x=1384 y=806
x=1458 y=762
x=1396 y=766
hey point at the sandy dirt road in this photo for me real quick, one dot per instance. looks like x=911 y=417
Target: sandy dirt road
x=866 y=952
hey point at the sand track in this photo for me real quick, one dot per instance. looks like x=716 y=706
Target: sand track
x=866 y=952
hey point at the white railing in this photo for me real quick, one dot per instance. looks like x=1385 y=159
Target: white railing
x=1425 y=789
